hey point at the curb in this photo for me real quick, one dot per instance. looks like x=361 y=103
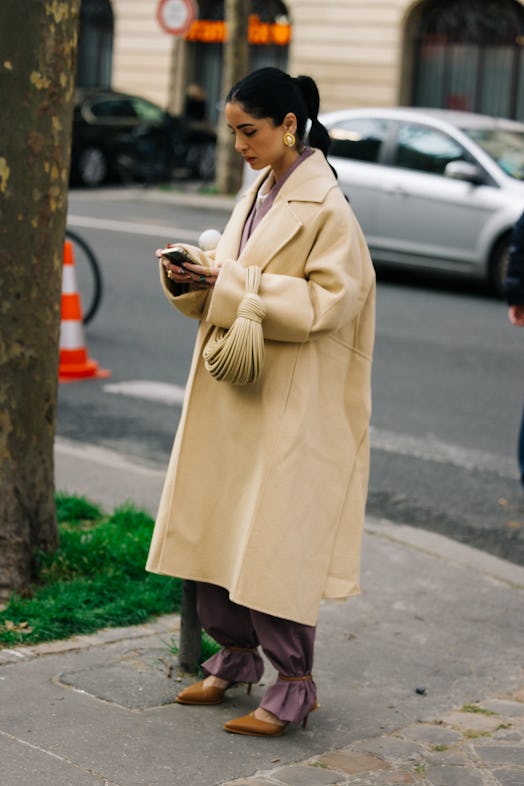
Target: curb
x=168 y=623
x=453 y=551
x=186 y=196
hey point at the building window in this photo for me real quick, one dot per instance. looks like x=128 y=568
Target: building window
x=95 y=44
x=468 y=56
x=266 y=10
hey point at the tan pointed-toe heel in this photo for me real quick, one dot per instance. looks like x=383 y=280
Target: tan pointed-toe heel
x=198 y=693
x=253 y=727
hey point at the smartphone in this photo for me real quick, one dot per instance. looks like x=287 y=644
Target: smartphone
x=176 y=255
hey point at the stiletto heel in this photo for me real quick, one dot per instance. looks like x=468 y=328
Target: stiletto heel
x=303 y=678
x=315 y=706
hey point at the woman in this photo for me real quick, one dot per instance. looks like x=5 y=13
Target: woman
x=263 y=503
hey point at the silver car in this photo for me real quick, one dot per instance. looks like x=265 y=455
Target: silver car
x=432 y=189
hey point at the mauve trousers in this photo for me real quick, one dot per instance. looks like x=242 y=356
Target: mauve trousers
x=287 y=645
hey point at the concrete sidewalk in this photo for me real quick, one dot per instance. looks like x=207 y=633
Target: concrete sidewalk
x=420 y=678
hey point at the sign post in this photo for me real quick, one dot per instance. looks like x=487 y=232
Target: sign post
x=176 y=16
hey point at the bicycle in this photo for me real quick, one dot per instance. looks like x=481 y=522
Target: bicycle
x=88 y=275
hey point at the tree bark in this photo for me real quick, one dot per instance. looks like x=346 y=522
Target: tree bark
x=37 y=70
x=229 y=163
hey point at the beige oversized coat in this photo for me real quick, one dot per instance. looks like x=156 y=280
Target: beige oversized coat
x=266 y=486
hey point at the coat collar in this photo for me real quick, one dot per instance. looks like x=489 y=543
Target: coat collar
x=310 y=182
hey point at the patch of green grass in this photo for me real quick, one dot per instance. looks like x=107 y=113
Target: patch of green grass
x=76 y=509
x=95 y=579
x=208 y=646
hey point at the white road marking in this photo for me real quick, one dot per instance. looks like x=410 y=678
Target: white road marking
x=430 y=448
x=126 y=227
x=172 y=395
x=427 y=448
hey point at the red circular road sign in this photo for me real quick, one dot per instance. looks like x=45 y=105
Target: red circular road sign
x=176 y=16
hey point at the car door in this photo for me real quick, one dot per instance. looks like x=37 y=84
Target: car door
x=111 y=115
x=425 y=218
x=152 y=138
x=356 y=151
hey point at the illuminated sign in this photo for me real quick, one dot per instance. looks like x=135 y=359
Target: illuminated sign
x=208 y=31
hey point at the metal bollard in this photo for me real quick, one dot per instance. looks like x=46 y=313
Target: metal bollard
x=190 y=651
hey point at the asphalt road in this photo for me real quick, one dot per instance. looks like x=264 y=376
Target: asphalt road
x=448 y=378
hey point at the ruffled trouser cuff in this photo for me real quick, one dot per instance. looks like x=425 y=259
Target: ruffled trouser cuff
x=290 y=698
x=235 y=664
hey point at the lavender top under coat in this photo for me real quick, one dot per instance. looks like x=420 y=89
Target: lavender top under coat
x=255 y=216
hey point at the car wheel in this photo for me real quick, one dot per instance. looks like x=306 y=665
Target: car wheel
x=499 y=264
x=92 y=166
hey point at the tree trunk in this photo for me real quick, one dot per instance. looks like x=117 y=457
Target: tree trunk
x=229 y=163
x=38 y=46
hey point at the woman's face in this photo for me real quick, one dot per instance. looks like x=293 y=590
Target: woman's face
x=259 y=141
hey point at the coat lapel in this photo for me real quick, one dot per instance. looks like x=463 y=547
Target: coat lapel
x=229 y=243
x=274 y=232
x=310 y=182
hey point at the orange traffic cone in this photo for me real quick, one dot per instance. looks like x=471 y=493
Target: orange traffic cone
x=74 y=361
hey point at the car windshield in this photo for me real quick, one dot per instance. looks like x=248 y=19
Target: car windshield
x=506 y=148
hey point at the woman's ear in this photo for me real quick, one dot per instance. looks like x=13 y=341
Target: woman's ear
x=290 y=123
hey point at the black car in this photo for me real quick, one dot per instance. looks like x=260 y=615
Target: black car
x=126 y=138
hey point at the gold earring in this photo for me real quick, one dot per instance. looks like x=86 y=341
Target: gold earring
x=289 y=139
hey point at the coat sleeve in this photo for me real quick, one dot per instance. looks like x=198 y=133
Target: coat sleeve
x=330 y=291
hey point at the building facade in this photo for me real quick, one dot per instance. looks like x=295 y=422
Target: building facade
x=463 y=54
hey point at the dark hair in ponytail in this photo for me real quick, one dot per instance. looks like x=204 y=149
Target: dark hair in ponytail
x=318 y=135
x=270 y=92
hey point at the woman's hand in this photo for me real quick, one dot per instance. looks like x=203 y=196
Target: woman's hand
x=198 y=276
